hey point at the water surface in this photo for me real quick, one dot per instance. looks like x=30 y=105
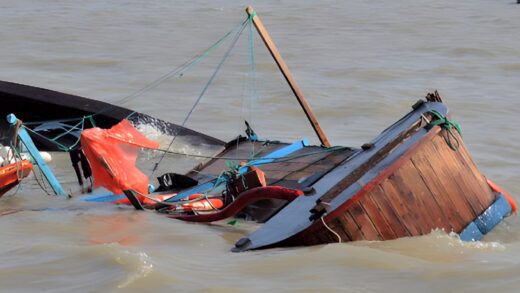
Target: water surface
x=361 y=64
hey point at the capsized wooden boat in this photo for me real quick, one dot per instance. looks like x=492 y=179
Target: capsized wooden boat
x=416 y=176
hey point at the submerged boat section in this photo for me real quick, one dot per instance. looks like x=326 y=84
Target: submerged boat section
x=414 y=177
x=56 y=119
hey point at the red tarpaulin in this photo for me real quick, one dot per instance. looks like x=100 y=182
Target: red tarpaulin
x=112 y=154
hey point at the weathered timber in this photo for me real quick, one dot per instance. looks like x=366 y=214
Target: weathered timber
x=431 y=187
x=288 y=76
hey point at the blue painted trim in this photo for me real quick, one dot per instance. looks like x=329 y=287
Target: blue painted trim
x=108 y=197
x=287 y=150
x=484 y=223
x=35 y=154
x=493 y=215
x=471 y=233
x=280 y=153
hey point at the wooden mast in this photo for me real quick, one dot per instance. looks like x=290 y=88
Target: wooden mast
x=288 y=76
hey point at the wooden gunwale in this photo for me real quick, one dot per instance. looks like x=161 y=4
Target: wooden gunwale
x=373 y=161
x=371 y=185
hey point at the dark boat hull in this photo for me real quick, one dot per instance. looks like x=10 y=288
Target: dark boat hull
x=36 y=106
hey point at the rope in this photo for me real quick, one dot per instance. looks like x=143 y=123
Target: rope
x=449 y=125
x=177 y=72
x=58 y=144
x=328 y=228
x=274 y=160
x=41 y=182
x=80 y=126
x=226 y=55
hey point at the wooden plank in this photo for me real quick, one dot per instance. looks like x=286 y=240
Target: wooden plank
x=447 y=187
x=388 y=212
x=344 y=227
x=462 y=176
x=440 y=195
x=353 y=229
x=339 y=227
x=486 y=195
x=464 y=153
x=373 y=160
x=411 y=195
x=423 y=194
x=407 y=215
x=375 y=214
x=444 y=172
x=364 y=222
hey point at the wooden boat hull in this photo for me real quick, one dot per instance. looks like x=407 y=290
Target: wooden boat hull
x=10 y=175
x=407 y=182
x=430 y=187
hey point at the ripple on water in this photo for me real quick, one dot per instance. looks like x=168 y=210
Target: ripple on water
x=72 y=267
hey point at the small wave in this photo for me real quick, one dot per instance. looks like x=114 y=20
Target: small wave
x=437 y=247
x=141 y=266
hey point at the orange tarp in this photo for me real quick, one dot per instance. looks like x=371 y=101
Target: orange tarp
x=112 y=154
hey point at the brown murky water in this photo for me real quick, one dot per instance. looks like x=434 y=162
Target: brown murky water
x=361 y=65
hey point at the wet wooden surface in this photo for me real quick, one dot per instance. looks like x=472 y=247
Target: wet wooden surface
x=303 y=163
x=435 y=187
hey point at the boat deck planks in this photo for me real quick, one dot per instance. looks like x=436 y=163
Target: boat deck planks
x=307 y=162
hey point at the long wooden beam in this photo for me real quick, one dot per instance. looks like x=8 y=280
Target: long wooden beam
x=288 y=76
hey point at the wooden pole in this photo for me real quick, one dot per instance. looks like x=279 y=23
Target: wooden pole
x=288 y=76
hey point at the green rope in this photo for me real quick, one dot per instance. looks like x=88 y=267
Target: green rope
x=449 y=125
x=75 y=127
x=58 y=144
x=181 y=70
x=93 y=123
x=237 y=35
x=233 y=161
x=78 y=126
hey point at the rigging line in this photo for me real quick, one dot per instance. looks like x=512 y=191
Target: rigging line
x=58 y=144
x=275 y=160
x=179 y=70
x=226 y=55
